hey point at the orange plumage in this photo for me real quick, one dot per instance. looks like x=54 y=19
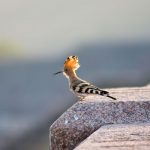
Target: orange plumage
x=72 y=62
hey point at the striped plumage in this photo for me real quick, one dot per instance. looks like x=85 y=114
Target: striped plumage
x=78 y=86
x=82 y=88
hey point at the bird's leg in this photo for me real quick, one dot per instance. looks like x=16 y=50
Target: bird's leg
x=81 y=98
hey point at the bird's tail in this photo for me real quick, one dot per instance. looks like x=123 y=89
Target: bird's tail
x=111 y=97
x=105 y=93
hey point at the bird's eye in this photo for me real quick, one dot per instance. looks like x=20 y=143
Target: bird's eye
x=66 y=70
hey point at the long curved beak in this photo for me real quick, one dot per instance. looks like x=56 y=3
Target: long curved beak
x=58 y=72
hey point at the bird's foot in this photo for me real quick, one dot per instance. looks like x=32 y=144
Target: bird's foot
x=81 y=98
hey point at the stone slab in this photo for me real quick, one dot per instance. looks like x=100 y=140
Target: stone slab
x=83 y=118
x=118 y=137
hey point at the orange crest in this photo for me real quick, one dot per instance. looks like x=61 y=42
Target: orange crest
x=72 y=62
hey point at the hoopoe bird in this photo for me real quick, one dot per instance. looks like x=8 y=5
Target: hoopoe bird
x=80 y=87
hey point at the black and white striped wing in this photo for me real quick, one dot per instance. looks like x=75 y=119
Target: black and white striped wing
x=87 y=88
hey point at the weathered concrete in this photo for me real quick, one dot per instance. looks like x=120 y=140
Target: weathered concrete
x=119 y=137
x=83 y=118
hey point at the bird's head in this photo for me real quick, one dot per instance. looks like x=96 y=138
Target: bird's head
x=70 y=64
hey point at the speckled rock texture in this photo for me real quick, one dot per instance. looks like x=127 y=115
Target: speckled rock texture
x=119 y=137
x=83 y=118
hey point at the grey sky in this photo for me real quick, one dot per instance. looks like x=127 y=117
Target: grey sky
x=53 y=27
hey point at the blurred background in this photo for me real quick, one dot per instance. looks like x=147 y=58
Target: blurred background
x=111 y=39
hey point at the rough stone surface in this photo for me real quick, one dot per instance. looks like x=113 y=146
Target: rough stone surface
x=83 y=118
x=119 y=137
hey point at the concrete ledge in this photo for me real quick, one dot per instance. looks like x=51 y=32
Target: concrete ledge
x=83 y=118
x=119 y=137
